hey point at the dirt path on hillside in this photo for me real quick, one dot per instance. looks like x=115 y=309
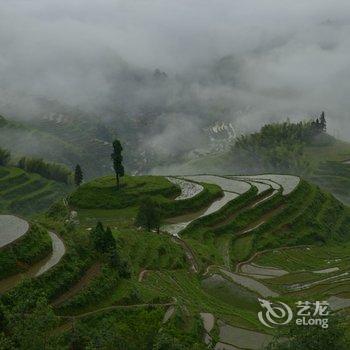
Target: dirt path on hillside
x=262 y=220
x=255 y=255
x=251 y=205
x=249 y=228
x=114 y=307
x=89 y=275
x=189 y=254
x=39 y=268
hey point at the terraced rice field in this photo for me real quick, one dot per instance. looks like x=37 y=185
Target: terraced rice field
x=287 y=182
x=24 y=193
x=228 y=185
x=11 y=229
x=275 y=273
x=232 y=189
x=176 y=228
x=38 y=268
x=269 y=236
x=334 y=176
x=189 y=189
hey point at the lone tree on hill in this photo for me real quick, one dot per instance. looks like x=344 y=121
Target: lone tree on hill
x=323 y=122
x=117 y=160
x=149 y=215
x=78 y=175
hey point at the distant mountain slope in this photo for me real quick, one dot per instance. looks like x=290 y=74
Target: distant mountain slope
x=285 y=148
x=26 y=193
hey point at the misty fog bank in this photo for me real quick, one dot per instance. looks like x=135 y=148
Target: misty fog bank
x=246 y=62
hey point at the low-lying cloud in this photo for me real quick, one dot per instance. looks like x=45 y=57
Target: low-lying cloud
x=243 y=61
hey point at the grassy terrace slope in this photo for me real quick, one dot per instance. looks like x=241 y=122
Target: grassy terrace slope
x=101 y=197
x=25 y=193
x=162 y=295
x=25 y=251
x=335 y=177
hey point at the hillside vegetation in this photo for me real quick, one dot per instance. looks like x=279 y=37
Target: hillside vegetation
x=117 y=278
x=102 y=193
x=27 y=193
x=18 y=256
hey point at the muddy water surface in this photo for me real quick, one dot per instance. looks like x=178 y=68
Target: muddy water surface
x=178 y=224
x=11 y=228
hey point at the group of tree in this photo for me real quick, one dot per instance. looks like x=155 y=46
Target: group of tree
x=149 y=215
x=280 y=146
x=104 y=243
x=51 y=171
x=319 y=125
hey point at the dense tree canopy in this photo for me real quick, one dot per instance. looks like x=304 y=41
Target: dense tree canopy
x=149 y=215
x=312 y=338
x=280 y=146
x=51 y=171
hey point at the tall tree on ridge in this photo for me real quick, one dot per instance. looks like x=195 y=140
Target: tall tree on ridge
x=149 y=214
x=117 y=160
x=323 y=122
x=78 y=175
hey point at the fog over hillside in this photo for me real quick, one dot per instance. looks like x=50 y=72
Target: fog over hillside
x=245 y=62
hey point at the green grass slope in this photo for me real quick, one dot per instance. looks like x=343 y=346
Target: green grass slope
x=32 y=247
x=25 y=193
x=101 y=195
x=335 y=177
x=107 y=305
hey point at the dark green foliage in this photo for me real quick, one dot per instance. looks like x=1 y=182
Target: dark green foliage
x=78 y=175
x=233 y=207
x=24 y=193
x=51 y=171
x=57 y=211
x=32 y=247
x=103 y=240
x=149 y=215
x=95 y=292
x=102 y=193
x=323 y=122
x=172 y=208
x=105 y=244
x=132 y=329
x=75 y=262
x=31 y=331
x=117 y=159
x=181 y=332
x=280 y=146
x=5 y=156
x=312 y=337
